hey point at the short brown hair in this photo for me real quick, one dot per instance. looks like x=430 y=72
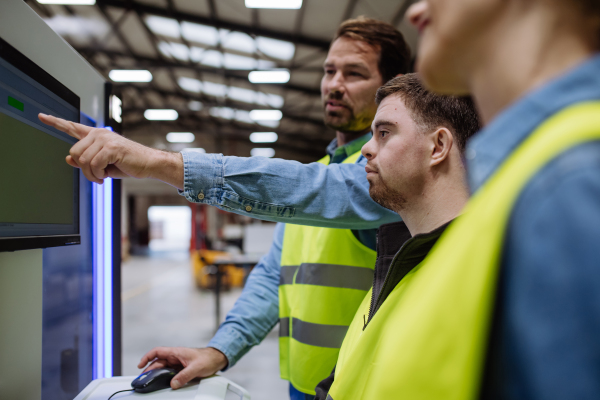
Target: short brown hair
x=394 y=53
x=430 y=110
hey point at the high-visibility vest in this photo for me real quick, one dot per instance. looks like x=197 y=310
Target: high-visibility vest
x=428 y=340
x=325 y=274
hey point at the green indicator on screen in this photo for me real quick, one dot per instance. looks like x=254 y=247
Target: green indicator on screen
x=16 y=104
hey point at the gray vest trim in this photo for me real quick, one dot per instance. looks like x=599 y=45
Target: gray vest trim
x=284 y=327
x=320 y=335
x=332 y=275
x=286 y=276
x=329 y=397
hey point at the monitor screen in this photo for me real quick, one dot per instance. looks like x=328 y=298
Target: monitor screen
x=39 y=191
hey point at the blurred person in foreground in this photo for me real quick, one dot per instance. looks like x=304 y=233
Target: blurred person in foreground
x=332 y=267
x=507 y=303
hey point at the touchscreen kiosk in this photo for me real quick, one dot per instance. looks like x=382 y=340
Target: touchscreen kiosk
x=39 y=191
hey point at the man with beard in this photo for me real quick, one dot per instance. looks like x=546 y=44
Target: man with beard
x=415 y=168
x=332 y=267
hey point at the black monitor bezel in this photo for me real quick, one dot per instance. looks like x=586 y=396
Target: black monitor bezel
x=31 y=69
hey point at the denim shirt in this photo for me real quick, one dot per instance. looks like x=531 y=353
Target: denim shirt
x=545 y=340
x=256 y=311
x=333 y=196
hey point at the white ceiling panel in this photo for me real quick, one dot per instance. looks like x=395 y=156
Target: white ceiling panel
x=233 y=10
x=281 y=20
x=136 y=35
x=195 y=7
x=113 y=44
x=321 y=18
x=162 y=79
x=383 y=10
x=115 y=13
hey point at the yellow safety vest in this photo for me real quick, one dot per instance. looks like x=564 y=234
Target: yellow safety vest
x=428 y=340
x=325 y=274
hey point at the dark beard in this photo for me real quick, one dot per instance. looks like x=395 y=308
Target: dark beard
x=350 y=125
x=346 y=125
x=386 y=197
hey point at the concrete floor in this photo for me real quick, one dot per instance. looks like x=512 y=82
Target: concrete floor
x=162 y=307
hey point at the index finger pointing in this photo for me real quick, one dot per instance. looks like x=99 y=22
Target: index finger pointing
x=78 y=131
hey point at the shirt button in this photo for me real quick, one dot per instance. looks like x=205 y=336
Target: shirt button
x=200 y=196
x=248 y=208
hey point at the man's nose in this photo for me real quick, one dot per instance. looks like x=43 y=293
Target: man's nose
x=336 y=83
x=417 y=12
x=368 y=150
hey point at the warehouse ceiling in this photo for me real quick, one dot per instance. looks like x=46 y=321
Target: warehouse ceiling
x=200 y=53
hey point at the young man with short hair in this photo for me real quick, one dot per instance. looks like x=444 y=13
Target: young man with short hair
x=415 y=167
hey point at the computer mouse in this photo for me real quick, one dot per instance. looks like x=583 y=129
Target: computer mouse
x=153 y=380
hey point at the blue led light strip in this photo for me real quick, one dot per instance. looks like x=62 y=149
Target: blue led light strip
x=103 y=285
x=108 y=279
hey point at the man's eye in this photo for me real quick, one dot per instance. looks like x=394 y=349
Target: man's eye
x=329 y=71
x=383 y=133
x=355 y=74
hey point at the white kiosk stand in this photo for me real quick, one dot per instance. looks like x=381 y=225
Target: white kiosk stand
x=213 y=388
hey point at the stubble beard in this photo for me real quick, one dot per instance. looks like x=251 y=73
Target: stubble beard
x=346 y=122
x=386 y=197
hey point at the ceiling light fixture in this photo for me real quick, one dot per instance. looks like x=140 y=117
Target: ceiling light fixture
x=273 y=76
x=163 y=26
x=266 y=115
x=161 y=115
x=116 y=109
x=262 y=152
x=180 y=137
x=263 y=137
x=69 y=2
x=281 y=4
x=130 y=75
x=275 y=48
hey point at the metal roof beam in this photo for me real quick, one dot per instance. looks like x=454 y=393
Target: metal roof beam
x=314 y=148
x=258 y=31
x=149 y=62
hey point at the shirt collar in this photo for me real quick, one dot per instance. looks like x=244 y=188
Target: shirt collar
x=489 y=148
x=339 y=154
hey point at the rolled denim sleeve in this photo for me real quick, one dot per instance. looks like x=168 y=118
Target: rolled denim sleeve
x=334 y=196
x=256 y=311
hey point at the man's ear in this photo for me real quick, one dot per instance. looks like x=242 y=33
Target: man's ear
x=442 y=142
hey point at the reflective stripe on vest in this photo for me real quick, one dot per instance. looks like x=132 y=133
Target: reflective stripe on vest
x=428 y=339
x=325 y=275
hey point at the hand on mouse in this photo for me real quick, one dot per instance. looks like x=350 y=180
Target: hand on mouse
x=196 y=363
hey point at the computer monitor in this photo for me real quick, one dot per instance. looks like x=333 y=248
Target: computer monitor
x=39 y=191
